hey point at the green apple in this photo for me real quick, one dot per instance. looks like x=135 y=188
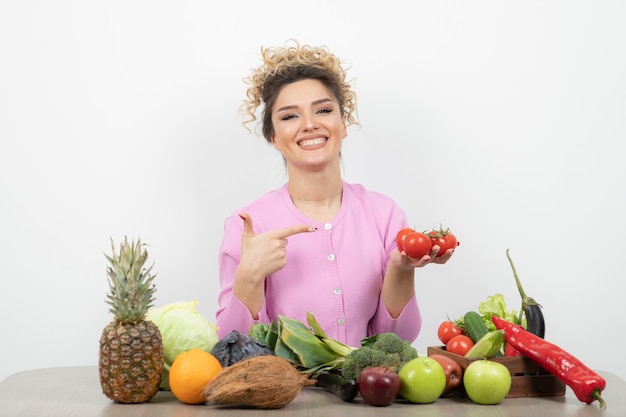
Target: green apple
x=486 y=382
x=422 y=380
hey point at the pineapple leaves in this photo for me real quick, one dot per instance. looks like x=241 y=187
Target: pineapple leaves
x=131 y=291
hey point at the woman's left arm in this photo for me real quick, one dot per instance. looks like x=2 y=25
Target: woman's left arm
x=399 y=283
x=398 y=310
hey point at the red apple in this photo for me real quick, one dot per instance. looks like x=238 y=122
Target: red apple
x=453 y=371
x=379 y=386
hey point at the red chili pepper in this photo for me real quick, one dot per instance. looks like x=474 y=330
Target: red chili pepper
x=509 y=350
x=586 y=384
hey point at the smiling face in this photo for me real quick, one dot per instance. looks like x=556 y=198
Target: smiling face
x=308 y=125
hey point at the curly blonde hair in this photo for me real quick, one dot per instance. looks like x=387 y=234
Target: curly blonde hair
x=288 y=64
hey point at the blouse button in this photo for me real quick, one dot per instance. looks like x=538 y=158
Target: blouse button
x=337 y=290
x=328 y=226
x=331 y=257
x=340 y=321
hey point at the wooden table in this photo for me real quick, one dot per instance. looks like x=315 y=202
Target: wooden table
x=76 y=392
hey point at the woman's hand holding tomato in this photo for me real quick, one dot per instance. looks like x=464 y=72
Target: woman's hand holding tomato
x=434 y=246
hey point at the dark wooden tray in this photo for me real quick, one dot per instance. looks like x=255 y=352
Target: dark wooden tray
x=528 y=379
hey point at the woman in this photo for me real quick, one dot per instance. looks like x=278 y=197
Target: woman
x=317 y=243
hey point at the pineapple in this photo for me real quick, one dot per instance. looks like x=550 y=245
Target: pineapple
x=131 y=349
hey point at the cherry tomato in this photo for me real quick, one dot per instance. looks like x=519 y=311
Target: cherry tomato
x=416 y=245
x=400 y=237
x=459 y=344
x=450 y=242
x=447 y=330
x=444 y=239
x=436 y=238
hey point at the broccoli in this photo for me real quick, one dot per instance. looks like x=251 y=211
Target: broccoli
x=391 y=343
x=385 y=349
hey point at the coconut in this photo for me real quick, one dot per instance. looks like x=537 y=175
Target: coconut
x=266 y=382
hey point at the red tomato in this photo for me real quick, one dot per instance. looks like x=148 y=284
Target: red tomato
x=450 y=242
x=447 y=330
x=416 y=245
x=401 y=235
x=436 y=238
x=459 y=344
x=444 y=239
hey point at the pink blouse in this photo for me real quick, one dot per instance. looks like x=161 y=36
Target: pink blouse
x=335 y=272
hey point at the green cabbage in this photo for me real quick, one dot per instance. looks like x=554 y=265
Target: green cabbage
x=182 y=328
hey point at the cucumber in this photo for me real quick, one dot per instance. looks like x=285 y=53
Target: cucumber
x=475 y=328
x=488 y=346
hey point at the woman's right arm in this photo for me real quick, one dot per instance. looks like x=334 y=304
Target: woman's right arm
x=246 y=259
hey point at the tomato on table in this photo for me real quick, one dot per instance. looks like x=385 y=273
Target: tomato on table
x=447 y=330
x=459 y=344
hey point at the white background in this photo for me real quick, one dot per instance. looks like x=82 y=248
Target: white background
x=504 y=121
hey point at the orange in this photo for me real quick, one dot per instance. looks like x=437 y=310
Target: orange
x=190 y=372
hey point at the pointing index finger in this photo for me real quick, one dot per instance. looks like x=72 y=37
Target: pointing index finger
x=291 y=230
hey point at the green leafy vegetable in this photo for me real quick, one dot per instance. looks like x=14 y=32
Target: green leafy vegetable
x=304 y=345
x=495 y=305
x=313 y=352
